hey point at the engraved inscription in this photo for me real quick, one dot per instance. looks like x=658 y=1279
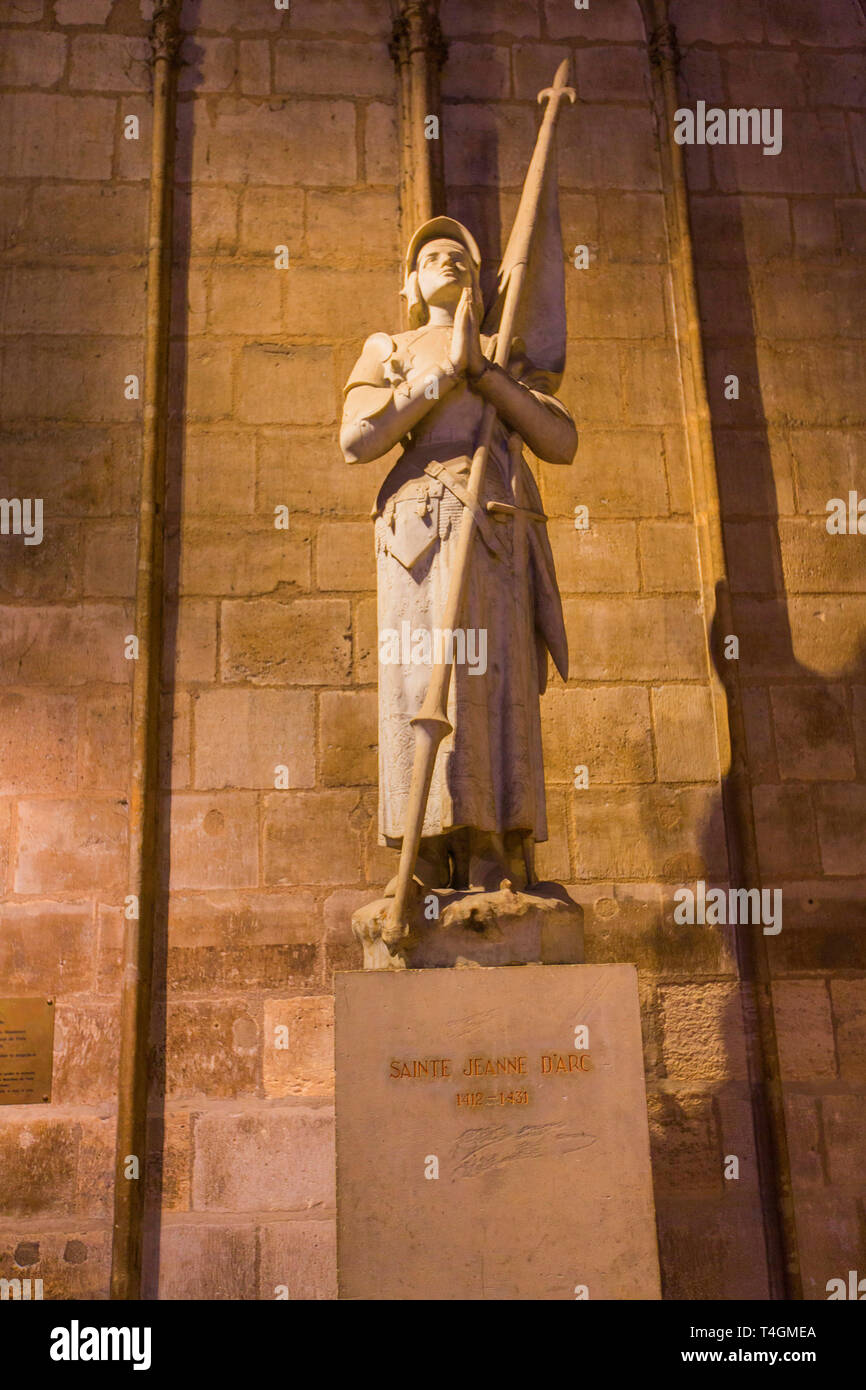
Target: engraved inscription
x=414 y=1068
x=514 y=1064
x=478 y=1151
x=496 y=1098
x=495 y=1066
x=569 y=1062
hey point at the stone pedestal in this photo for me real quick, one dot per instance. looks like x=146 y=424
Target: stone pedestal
x=492 y=1136
x=539 y=925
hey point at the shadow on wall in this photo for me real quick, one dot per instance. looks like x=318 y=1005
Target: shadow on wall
x=804 y=738
x=803 y=727
x=802 y=732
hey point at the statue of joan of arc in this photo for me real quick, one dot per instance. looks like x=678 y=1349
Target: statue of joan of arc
x=426 y=389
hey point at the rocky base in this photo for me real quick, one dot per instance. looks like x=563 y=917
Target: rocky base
x=540 y=925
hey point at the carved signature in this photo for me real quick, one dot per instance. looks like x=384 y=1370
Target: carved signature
x=480 y=1150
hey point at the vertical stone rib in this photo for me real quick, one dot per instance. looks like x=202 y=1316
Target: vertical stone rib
x=774 y=1172
x=136 y=987
x=419 y=51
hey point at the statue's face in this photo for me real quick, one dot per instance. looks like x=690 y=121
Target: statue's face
x=444 y=270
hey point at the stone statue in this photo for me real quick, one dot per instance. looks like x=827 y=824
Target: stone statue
x=427 y=389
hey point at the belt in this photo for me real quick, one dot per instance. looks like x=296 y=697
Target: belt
x=422 y=455
x=499 y=511
x=441 y=474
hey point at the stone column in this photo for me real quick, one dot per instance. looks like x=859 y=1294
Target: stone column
x=419 y=51
x=135 y=1009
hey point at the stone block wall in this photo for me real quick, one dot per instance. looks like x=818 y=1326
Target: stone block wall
x=287 y=152
x=287 y=141
x=74 y=203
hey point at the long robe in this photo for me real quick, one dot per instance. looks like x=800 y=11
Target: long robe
x=489 y=771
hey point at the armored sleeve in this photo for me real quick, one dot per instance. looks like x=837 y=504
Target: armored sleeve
x=368 y=389
x=543 y=384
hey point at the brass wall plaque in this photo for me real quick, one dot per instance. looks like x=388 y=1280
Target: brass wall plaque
x=26 y=1050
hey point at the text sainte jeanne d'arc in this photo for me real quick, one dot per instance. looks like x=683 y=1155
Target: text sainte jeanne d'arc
x=440 y=1068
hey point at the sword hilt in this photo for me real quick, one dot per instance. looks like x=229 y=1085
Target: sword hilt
x=557 y=92
x=559 y=88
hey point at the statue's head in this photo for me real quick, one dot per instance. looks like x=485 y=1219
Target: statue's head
x=442 y=260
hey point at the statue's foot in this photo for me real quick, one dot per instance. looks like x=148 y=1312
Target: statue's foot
x=431 y=871
x=488 y=868
x=495 y=859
